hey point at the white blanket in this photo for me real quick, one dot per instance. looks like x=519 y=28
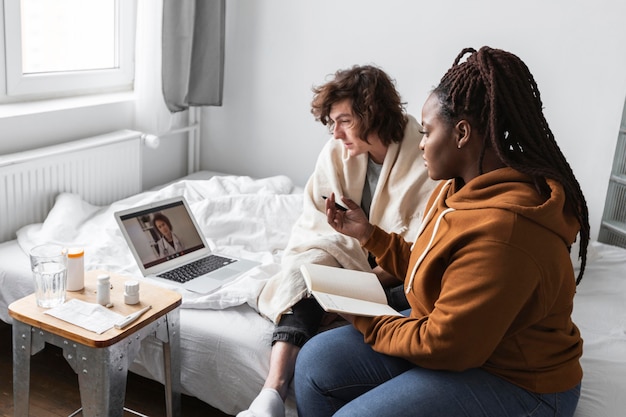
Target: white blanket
x=397 y=205
x=239 y=216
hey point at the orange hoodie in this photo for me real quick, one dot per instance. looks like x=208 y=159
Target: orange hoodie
x=490 y=283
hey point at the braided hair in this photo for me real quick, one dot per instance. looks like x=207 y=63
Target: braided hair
x=496 y=92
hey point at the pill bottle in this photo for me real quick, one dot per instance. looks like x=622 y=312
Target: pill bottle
x=103 y=292
x=131 y=292
x=75 y=269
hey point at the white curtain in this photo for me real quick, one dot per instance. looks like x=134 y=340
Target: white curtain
x=151 y=113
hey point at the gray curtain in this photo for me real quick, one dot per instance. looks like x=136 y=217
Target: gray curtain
x=193 y=53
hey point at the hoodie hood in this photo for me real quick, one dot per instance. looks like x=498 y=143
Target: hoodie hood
x=505 y=189
x=511 y=190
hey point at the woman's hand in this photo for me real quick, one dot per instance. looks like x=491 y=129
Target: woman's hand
x=385 y=278
x=352 y=222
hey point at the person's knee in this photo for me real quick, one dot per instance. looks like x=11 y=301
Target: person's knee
x=323 y=354
x=307 y=357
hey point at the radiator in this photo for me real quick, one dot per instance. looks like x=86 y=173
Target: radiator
x=100 y=169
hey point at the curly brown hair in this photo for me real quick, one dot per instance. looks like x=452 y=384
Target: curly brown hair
x=376 y=103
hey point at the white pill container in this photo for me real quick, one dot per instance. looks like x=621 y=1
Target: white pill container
x=75 y=269
x=103 y=290
x=131 y=292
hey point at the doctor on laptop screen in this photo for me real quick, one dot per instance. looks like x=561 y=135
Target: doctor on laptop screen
x=163 y=235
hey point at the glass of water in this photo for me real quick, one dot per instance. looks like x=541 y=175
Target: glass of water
x=49 y=265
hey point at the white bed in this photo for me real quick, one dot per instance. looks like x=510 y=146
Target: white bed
x=225 y=344
x=225 y=350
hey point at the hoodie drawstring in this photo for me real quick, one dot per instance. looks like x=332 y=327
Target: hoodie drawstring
x=425 y=222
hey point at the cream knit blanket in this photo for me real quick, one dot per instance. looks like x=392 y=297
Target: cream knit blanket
x=397 y=206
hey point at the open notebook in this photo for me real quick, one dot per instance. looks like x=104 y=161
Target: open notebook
x=167 y=243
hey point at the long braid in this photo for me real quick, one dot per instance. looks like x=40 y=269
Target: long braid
x=495 y=90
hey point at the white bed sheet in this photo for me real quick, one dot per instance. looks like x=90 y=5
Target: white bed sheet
x=225 y=344
x=600 y=314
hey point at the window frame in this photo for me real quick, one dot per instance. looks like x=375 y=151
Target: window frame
x=22 y=87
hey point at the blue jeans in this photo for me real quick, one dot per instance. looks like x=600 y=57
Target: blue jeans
x=337 y=374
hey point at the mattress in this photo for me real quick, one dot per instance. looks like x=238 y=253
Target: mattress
x=600 y=314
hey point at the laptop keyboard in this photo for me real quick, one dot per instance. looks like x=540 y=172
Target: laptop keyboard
x=196 y=268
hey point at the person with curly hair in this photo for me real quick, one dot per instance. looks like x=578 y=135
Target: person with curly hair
x=373 y=157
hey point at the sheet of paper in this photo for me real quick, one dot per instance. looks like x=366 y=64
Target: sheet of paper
x=90 y=316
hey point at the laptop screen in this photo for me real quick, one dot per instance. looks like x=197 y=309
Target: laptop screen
x=161 y=233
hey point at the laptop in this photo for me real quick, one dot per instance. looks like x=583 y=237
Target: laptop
x=168 y=244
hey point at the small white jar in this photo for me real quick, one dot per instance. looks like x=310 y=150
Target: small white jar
x=75 y=269
x=103 y=292
x=131 y=292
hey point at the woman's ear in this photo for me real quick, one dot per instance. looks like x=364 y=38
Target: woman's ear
x=463 y=132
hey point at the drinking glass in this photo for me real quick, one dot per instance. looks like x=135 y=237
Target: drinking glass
x=49 y=265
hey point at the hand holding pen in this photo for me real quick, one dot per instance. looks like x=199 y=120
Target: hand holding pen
x=351 y=221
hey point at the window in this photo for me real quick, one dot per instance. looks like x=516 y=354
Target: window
x=57 y=48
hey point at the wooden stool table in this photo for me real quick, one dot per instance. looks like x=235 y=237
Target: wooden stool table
x=101 y=361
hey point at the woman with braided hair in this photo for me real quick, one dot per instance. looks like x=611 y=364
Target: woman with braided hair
x=489 y=278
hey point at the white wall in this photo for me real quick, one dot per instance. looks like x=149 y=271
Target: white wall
x=276 y=50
